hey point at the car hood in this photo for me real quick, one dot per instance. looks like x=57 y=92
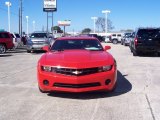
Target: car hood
x=77 y=58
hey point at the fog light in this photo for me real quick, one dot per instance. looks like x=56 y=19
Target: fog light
x=46 y=82
x=108 y=81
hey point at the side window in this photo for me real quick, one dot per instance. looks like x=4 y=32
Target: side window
x=4 y=35
x=157 y=34
x=12 y=36
x=114 y=35
x=0 y=35
x=119 y=35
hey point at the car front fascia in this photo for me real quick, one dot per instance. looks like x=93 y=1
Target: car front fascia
x=100 y=77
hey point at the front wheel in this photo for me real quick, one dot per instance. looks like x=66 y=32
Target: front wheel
x=2 y=48
x=115 y=41
x=28 y=51
x=136 y=53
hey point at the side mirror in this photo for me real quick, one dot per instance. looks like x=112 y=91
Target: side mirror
x=107 y=47
x=46 y=48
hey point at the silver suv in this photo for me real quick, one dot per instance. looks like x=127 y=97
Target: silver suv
x=37 y=41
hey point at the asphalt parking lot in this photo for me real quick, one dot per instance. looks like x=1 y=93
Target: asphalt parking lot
x=137 y=96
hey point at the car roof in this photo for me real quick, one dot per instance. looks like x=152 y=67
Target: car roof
x=77 y=38
x=39 y=32
x=4 y=32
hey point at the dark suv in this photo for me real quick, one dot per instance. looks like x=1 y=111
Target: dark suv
x=100 y=38
x=145 y=40
x=6 y=41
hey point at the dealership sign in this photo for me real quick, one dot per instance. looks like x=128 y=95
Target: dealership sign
x=50 y=5
x=64 y=23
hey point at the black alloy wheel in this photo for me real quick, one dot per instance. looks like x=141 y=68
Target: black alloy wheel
x=2 y=48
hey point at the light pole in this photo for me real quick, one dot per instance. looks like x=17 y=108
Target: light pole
x=94 y=20
x=8 y=4
x=27 y=24
x=33 y=25
x=106 y=12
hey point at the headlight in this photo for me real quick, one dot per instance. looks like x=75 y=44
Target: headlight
x=46 y=68
x=105 y=68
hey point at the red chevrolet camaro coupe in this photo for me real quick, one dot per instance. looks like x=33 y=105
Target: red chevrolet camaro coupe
x=76 y=64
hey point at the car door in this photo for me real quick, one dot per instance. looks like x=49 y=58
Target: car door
x=7 y=39
x=119 y=37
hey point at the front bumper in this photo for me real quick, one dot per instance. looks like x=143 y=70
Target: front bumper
x=36 y=46
x=148 y=48
x=93 y=82
x=127 y=42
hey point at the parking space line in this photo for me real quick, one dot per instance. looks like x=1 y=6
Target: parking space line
x=150 y=107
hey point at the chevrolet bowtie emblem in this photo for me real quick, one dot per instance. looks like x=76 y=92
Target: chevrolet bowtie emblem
x=77 y=72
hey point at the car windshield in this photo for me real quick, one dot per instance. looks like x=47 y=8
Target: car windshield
x=38 y=35
x=17 y=35
x=127 y=34
x=92 y=45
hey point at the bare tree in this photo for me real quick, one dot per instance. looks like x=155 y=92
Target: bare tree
x=86 y=31
x=100 y=24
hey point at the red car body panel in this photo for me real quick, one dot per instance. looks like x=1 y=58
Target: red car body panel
x=8 y=42
x=77 y=59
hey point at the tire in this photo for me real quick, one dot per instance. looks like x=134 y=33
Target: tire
x=114 y=88
x=114 y=41
x=121 y=42
x=2 y=48
x=156 y=54
x=131 y=50
x=135 y=53
x=28 y=51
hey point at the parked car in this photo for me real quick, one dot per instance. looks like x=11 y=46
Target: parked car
x=125 y=36
x=16 y=40
x=108 y=39
x=100 y=38
x=76 y=64
x=145 y=40
x=116 y=38
x=128 y=39
x=37 y=41
x=6 y=41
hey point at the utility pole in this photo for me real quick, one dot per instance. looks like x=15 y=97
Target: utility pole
x=20 y=17
x=27 y=24
x=94 y=24
x=47 y=22
x=106 y=22
x=19 y=21
x=8 y=5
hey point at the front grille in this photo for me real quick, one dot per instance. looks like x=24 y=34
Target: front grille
x=39 y=42
x=77 y=85
x=76 y=72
